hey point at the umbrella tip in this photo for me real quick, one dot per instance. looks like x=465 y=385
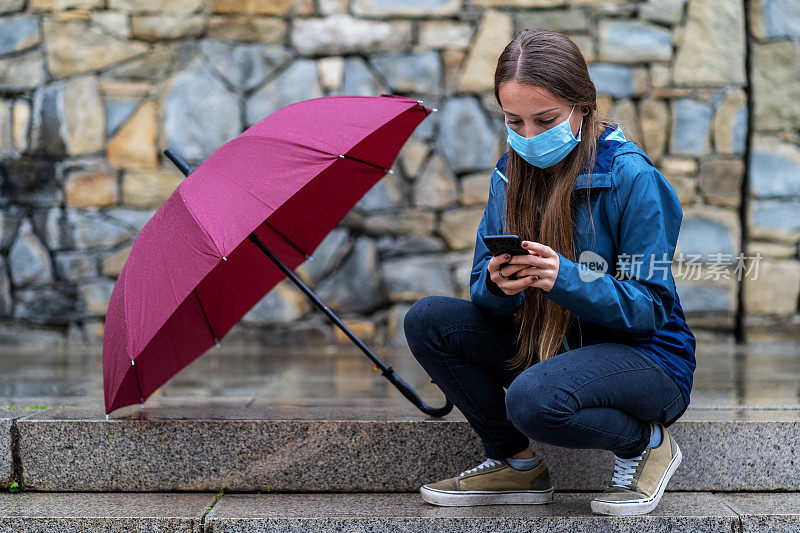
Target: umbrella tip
x=216 y=341
x=435 y=110
x=391 y=171
x=224 y=258
x=106 y=416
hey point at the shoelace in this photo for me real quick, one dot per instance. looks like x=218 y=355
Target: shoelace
x=486 y=464
x=623 y=470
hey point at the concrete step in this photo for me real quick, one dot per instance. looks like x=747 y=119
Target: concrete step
x=350 y=446
x=697 y=512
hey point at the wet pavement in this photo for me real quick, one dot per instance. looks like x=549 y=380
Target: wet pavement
x=763 y=376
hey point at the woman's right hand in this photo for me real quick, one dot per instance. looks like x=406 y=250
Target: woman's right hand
x=507 y=284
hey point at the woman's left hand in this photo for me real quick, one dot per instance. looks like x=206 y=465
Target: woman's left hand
x=543 y=261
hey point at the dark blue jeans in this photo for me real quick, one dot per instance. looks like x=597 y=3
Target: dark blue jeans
x=596 y=396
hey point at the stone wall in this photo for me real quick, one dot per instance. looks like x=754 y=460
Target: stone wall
x=91 y=92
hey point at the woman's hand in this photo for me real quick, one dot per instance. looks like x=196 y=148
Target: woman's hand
x=537 y=269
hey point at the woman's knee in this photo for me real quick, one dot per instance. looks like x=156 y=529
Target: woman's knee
x=425 y=314
x=536 y=404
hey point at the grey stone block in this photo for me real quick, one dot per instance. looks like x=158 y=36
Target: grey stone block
x=360 y=447
x=47 y=512
x=772 y=512
x=8 y=414
x=696 y=512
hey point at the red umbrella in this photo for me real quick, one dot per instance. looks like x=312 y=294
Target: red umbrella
x=277 y=189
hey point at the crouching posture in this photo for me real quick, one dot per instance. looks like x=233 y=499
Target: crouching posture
x=579 y=341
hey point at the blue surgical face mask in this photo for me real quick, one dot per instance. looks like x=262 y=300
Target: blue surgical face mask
x=547 y=148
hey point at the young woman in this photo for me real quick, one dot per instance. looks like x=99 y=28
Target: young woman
x=585 y=330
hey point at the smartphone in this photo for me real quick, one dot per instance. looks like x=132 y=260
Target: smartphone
x=504 y=244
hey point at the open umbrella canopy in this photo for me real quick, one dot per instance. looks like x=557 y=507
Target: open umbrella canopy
x=193 y=273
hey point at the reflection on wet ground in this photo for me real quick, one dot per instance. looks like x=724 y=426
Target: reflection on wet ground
x=727 y=377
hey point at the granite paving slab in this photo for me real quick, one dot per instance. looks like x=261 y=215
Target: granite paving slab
x=378 y=512
x=48 y=512
x=774 y=512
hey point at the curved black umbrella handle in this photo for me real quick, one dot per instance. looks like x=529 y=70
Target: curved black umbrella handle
x=411 y=394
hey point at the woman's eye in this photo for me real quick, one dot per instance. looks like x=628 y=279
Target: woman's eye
x=547 y=121
x=516 y=122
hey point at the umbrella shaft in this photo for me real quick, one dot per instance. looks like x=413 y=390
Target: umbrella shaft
x=291 y=275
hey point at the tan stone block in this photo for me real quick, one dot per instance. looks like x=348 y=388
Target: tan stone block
x=253 y=7
x=21 y=124
x=685 y=188
x=71 y=15
x=776 y=85
x=79 y=47
x=149 y=6
x=112 y=87
x=84 y=117
x=587 y=47
x=660 y=75
x=112 y=264
x=164 y=27
x=60 y=5
x=672 y=92
x=6 y=135
x=494 y=33
x=247 y=28
x=21 y=71
x=459 y=226
x=148 y=188
x=772 y=329
x=771 y=249
x=134 y=145
x=408 y=221
x=475 y=189
x=452 y=60
x=604 y=104
x=331 y=71
x=381 y=8
x=772 y=288
x=91 y=189
x=733 y=102
x=412 y=155
x=654 y=117
x=678 y=166
x=522 y=3
x=720 y=181
x=624 y=112
x=113 y=21
x=436 y=185
x=444 y=34
x=363 y=329
x=712 y=47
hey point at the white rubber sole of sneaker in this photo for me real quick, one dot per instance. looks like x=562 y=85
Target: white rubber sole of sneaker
x=485 y=497
x=636 y=507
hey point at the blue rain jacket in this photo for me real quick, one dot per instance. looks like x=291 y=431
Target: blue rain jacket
x=637 y=215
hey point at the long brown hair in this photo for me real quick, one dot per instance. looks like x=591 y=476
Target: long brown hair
x=539 y=206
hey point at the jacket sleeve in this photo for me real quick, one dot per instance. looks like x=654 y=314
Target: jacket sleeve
x=639 y=297
x=482 y=288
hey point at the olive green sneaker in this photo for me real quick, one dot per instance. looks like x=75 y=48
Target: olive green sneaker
x=492 y=482
x=638 y=483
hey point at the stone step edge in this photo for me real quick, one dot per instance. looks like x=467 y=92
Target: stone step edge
x=201 y=511
x=39 y=447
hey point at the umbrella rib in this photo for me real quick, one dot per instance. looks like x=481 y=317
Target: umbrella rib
x=203 y=309
x=340 y=156
x=266 y=220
